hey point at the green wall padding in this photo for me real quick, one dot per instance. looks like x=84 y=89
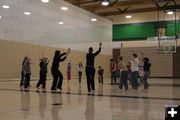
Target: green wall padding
x=140 y=31
x=170 y=31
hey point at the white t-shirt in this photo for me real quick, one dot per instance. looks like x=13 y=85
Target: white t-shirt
x=135 y=64
x=80 y=68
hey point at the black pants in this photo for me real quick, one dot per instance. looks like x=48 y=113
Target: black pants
x=123 y=80
x=100 y=77
x=57 y=79
x=42 y=80
x=80 y=76
x=90 y=72
x=27 y=80
x=145 y=77
x=22 y=78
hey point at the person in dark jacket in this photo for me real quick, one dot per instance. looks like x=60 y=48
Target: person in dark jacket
x=90 y=70
x=43 y=72
x=146 y=68
x=57 y=75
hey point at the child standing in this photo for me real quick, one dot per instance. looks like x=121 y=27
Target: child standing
x=100 y=74
x=146 y=69
x=80 y=69
x=69 y=71
x=113 y=69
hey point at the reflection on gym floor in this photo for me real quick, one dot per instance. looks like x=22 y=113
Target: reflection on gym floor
x=107 y=102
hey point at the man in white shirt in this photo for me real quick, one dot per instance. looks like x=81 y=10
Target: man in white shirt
x=135 y=69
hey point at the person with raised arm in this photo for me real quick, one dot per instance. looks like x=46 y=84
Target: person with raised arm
x=43 y=72
x=90 y=70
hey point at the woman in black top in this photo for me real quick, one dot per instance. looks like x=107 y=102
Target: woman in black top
x=57 y=75
x=90 y=70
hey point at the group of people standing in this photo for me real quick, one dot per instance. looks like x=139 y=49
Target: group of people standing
x=130 y=70
x=26 y=72
x=56 y=73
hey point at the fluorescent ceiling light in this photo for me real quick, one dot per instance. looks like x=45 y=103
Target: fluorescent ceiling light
x=64 y=8
x=45 y=1
x=5 y=6
x=60 y=23
x=128 y=16
x=27 y=13
x=170 y=13
x=105 y=2
x=93 y=19
x=0 y=17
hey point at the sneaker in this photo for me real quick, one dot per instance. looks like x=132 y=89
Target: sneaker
x=53 y=89
x=120 y=88
x=37 y=88
x=59 y=90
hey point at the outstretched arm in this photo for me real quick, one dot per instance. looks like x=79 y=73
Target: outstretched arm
x=62 y=59
x=63 y=54
x=97 y=52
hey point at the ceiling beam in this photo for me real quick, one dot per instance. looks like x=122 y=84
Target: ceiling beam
x=141 y=10
x=116 y=5
x=87 y=1
x=79 y=2
x=95 y=7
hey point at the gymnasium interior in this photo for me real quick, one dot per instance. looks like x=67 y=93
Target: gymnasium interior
x=37 y=28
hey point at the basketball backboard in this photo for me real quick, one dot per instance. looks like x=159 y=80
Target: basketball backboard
x=167 y=45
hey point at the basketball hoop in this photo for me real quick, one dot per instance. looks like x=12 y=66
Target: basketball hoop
x=166 y=49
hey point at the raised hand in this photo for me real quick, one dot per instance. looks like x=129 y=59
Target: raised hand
x=100 y=44
x=68 y=51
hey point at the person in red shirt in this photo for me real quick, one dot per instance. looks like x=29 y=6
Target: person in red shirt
x=113 y=68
